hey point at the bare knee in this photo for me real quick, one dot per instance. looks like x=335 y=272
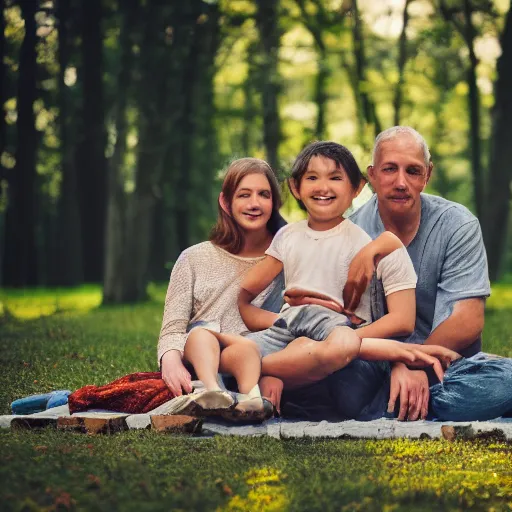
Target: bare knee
x=201 y=339
x=338 y=350
x=249 y=348
x=245 y=349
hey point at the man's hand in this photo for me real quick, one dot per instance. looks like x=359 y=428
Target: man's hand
x=412 y=388
x=174 y=373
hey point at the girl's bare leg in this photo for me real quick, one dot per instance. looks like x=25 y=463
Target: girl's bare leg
x=243 y=361
x=202 y=350
x=241 y=358
x=305 y=361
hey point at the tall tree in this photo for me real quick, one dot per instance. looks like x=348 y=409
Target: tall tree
x=151 y=98
x=20 y=263
x=91 y=161
x=402 y=61
x=3 y=76
x=250 y=107
x=115 y=231
x=69 y=255
x=205 y=159
x=316 y=23
x=468 y=33
x=364 y=101
x=267 y=22
x=166 y=49
x=500 y=170
x=192 y=155
x=190 y=45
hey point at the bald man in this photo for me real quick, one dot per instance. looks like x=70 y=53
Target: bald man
x=444 y=241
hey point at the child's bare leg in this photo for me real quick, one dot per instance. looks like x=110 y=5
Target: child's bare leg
x=243 y=361
x=226 y=339
x=202 y=350
x=305 y=361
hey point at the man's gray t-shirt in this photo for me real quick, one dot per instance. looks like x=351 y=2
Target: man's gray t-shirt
x=449 y=258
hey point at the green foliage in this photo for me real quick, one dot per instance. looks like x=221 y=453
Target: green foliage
x=226 y=91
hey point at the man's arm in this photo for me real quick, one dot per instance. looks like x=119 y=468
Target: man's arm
x=458 y=317
x=462 y=287
x=457 y=332
x=462 y=327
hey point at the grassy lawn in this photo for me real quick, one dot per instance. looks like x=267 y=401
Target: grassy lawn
x=61 y=339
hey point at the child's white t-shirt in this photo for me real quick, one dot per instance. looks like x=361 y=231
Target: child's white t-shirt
x=318 y=261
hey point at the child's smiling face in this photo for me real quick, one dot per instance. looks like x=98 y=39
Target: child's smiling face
x=326 y=193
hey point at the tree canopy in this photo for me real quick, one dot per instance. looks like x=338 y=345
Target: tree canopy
x=119 y=117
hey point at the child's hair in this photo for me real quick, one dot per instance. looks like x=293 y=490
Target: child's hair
x=340 y=154
x=226 y=233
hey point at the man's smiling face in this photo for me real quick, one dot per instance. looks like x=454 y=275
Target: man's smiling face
x=399 y=174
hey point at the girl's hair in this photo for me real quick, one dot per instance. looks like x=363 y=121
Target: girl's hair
x=227 y=233
x=340 y=154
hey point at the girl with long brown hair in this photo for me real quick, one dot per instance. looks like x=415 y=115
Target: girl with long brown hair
x=203 y=291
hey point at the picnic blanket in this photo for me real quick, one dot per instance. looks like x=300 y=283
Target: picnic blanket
x=134 y=394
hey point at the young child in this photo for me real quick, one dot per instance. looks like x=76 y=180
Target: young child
x=315 y=255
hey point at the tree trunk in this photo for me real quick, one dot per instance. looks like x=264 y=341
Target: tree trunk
x=154 y=94
x=250 y=110
x=367 y=104
x=3 y=172
x=468 y=33
x=184 y=178
x=69 y=270
x=500 y=170
x=171 y=60
x=402 y=60
x=316 y=24
x=92 y=175
x=3 y=76
x=360 y=119
x=474 y=115
x=205 y=156
x=20 y=263
x=267 y=22
x=321 y=94
x=440 y=177
x=115 y=232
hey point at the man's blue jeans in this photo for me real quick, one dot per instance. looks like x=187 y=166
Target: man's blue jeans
x=478 y=388
x=358 y=391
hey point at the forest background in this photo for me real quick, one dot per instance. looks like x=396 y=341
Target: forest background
x=119 y=117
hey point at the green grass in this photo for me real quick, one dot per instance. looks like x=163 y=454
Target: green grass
x=61 y=339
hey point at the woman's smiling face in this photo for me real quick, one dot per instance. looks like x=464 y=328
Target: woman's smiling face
x=251 y=207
